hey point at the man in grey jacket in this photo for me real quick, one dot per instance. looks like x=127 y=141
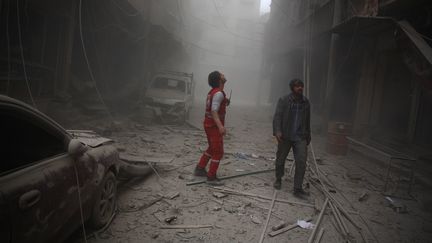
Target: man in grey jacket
x=291 y=127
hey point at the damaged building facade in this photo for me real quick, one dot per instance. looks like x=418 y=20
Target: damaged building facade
x=73 y=52
x=366 y=63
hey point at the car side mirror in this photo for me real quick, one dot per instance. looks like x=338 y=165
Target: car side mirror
x=76 y=149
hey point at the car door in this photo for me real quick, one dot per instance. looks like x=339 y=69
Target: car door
x=37 y=177
x=5 y=228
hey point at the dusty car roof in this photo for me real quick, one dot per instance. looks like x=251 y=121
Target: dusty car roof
x=172 y=76
x=10 y=100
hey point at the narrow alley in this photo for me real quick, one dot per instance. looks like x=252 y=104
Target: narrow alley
x=215 y=121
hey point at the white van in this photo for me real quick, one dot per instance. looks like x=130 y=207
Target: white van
x=170 y=95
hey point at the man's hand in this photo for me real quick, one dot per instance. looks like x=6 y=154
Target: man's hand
x=279 y=137
x=222 y=130
x=228 y=102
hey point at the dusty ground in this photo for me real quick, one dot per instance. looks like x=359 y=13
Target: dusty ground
x=144 y=204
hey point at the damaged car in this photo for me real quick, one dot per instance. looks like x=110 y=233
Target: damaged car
x=51 y=179
x=170 y=96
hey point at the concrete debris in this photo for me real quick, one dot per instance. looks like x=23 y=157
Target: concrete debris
x=219 y=195
x=217 y=208
x=255 y=219
x=279 y=226
x=170 y=219
x=396 y=205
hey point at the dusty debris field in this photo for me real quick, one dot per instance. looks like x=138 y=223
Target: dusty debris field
x=148 y=207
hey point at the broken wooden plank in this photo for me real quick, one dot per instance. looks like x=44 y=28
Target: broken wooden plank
x=311 y=238
x=232 y=176
x=287 y=228
x=186 y=226
x=268 y=216
x=262 y=197
x=338 y=220
x=320 y=235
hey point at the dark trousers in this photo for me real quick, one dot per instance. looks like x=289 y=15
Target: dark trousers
x=300 y=155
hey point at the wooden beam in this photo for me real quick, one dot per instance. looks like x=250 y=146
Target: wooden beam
x=268 y=216
x=311 y=238
x=263 y=197
x=230 y=177
x=186 y=226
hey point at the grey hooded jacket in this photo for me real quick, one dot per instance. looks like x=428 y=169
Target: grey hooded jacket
x=282 y=117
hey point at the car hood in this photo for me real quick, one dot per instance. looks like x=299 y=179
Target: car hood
x=89 y=138
x=168 y=97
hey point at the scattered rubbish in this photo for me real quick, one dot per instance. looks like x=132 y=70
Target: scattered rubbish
x=170 y=219
x=219 y=195
x=230 y=209
x=363 y=197
x=239 y=170
x=254 y=156
x=305 y=225
x=252 y=164
x=240 y=155
x=255 y=219
x=396 y=205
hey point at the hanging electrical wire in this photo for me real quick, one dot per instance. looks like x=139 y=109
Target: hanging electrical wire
x=219 y=14
x=182 y=39
x=200 y=20
x=88 y=62
x=22 y=55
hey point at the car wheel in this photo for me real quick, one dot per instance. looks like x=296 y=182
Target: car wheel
x=105 y=202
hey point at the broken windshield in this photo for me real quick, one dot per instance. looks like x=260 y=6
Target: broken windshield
x=169 y=84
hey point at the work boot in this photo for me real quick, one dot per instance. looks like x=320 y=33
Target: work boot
x=300 y=193
x=277 y=184
x=200 y=172
x=214 y=181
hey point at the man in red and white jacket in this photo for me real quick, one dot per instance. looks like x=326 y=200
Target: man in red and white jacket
x=214 y=126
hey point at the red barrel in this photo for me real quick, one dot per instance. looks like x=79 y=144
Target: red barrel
x=337 y=142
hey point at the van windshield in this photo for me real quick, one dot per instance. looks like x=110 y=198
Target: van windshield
x=169 y=84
